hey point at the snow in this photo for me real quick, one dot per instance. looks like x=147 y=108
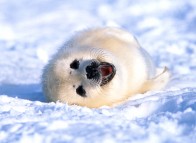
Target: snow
x=32 y=31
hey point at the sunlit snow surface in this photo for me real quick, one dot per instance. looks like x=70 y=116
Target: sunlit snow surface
x=31 y=31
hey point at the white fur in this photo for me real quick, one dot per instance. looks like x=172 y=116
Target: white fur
x=135 y=71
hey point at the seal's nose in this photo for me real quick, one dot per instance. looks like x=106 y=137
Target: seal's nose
x=92 y=70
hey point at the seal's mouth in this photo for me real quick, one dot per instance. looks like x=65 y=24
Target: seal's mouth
x=107 y=72
x=102 y=72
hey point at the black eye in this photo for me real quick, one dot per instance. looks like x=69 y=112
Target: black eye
x=80 y=91
x=75 y=64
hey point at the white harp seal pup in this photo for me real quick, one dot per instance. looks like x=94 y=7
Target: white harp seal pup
x=101 y=66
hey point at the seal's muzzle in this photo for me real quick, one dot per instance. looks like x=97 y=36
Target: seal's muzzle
x=103 y=72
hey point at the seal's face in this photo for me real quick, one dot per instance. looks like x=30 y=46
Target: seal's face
x=93 y=72
x=81 y=77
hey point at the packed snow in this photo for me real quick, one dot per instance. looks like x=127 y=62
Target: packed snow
x=32 y=31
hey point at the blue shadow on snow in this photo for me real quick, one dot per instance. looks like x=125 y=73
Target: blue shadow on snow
x=30 y=92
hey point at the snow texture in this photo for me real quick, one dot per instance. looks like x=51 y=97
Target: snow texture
x=32 y=31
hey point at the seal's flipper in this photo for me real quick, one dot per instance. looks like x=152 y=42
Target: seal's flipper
x=159 y=81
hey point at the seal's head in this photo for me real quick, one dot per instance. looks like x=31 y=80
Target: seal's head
x=84 y=77
x=92 y=72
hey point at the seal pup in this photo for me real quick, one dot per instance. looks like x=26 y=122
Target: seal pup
x=101 y=66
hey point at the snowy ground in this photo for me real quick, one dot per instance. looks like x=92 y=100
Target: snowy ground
x=31 y=31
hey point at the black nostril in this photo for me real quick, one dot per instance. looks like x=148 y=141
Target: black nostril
x=92 y=67
x=88 y=69
x=92 y=70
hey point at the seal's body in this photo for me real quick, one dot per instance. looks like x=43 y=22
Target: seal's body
x=102 y=66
